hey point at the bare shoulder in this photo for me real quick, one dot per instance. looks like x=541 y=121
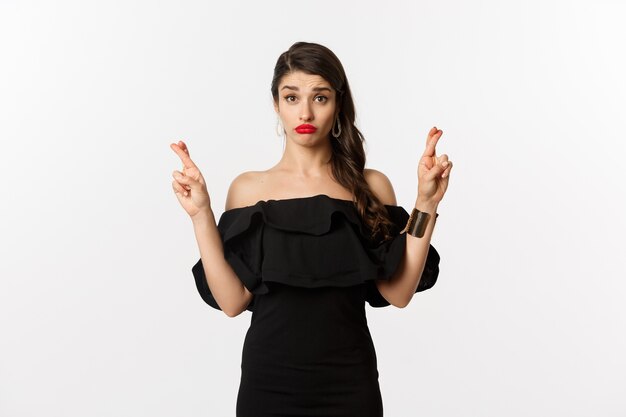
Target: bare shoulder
x=381 y=186
x=242 y=189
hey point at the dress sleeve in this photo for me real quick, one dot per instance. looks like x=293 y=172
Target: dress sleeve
x=390 y=254
x=242 y=238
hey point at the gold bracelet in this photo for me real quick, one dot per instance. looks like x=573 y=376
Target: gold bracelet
x=416 y=225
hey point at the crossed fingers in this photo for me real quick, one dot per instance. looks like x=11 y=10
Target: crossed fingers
x=429 y=157
x=431 y=142
x=181 y=150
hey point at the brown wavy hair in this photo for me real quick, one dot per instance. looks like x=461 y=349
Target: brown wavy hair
x=348 y=156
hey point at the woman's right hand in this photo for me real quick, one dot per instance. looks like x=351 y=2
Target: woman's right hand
x=189 y=185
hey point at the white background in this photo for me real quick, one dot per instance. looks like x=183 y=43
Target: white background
x=99 y=313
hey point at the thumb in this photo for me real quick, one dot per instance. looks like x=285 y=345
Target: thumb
x=435 y=172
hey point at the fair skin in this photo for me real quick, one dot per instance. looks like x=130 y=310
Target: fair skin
x=303 y=171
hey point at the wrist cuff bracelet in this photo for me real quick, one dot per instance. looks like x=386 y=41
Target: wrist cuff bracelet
x=418 y=220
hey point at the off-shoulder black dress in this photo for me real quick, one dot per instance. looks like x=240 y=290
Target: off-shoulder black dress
x=311 y=267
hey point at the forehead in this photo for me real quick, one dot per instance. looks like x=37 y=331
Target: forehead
x=303 y=80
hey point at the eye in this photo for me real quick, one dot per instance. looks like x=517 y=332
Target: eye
x=325 y=99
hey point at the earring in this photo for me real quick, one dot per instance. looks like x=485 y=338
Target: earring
x=279 y=126
x=333 y=129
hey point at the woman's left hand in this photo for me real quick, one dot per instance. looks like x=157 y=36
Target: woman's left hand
x=433 y=172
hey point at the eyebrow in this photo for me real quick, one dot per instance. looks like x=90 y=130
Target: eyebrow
x=291 y=87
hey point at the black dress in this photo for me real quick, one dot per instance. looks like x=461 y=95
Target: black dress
x=311 y=267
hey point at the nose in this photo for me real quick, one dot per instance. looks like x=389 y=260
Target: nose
x=305 y=113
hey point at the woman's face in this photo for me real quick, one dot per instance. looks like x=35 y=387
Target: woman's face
x=305 y=99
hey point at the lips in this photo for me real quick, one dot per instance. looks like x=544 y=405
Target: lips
x=306 y=128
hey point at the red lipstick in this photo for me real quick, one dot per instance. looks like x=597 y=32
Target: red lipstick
x=306 y=128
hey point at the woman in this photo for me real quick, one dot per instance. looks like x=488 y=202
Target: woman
x=306 y=243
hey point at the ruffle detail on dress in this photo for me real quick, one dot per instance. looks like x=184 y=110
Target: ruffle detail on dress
x=310 y=242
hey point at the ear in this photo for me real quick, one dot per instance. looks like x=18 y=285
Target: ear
x=337 y=108
x=275 y=106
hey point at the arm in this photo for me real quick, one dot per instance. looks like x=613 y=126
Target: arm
x=227 y=289
x=401 y=287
